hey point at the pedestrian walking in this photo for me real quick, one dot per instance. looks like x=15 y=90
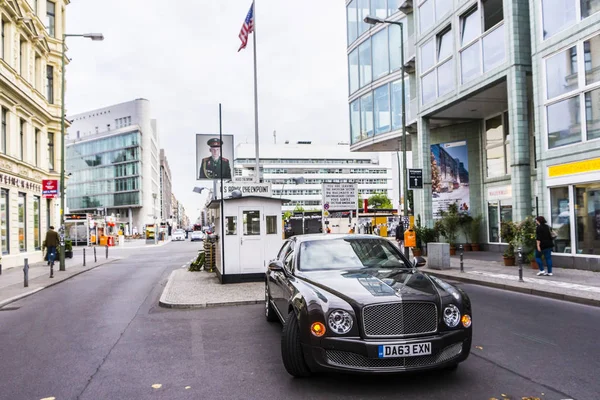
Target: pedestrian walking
x=51 y=242
x=544 y=245
x=399 y=233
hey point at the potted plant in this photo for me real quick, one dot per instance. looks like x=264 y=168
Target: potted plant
x=68 y=248
x=449 y=224
x=475 y=231
x=508 y=231
x=525 y=239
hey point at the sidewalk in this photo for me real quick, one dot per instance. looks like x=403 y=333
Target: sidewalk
x=12 y=280
x=186 y=289
x=487 y=269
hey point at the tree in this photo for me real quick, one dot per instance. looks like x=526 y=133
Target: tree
x=436 y=180
x=380 y=201
x=287 y=215
x=299 y=209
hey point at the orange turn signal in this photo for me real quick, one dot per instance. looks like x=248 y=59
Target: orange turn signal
x=317 y=329
x=466 y=320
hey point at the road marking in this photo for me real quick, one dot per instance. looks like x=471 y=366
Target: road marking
x=156 y=386
x=534 y=339
x=542 y=282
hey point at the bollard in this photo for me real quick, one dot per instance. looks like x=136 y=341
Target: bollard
x=462 y=269
x=106 y=251
x=26 y=273
x=84 y=257
x=520 y=251
x=0 y=268
x=95 y=258
x=51 y=267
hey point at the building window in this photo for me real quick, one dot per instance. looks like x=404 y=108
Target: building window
x=355 y=129
x=382 y=109
x=271 y=224
x=4 y=129
x=558 y=15
x=352 y=21
x=4 y=233
x=395 y=45
x=50 y=84
x=363 y=11
x=560 y=212
x=51 y=18
x=3 y=44
x=37 y=79
x=251 y=223
x=587 y=221
x=396 y=89
x=230 y=225
x=37 y=234
x=381 y=60
x=437 y=66
x=393 y=6
x=572 y=97
x=22 y=218
x=22 y=139
x=51 y=151
x=366 y=116
x=22 y=56
x=498 y=212
x=364 y=59
x=489 y=30
x=37 y=147
x=426 y=15
x=353 y=71
x=497 y=145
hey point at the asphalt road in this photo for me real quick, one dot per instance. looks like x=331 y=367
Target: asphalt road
x=101 y=335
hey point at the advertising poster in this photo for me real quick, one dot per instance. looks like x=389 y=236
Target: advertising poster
x=450 y=176
x=211 y=155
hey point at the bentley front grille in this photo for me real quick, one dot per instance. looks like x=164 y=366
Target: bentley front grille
x=353 y=360
x=399 y=319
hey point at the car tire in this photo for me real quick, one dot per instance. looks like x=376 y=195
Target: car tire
x=291 y=349
x=270 y=313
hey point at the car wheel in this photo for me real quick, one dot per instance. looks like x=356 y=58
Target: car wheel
x=291 y=349
x=270 y=314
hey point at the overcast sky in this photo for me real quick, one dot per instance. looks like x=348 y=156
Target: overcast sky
x=182 y=56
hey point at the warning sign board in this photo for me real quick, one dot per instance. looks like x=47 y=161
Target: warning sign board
x=340 y=196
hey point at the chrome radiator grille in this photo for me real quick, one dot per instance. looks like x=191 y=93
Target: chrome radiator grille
x=399 y=319
x=353 y=360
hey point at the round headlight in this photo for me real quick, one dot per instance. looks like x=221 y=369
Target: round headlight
x=340 y=321
x=451 y=315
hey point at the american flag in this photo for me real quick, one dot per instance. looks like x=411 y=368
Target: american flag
x=247 y=28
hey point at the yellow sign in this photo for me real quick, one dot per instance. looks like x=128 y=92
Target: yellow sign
x=326 y=213
x=577 y=167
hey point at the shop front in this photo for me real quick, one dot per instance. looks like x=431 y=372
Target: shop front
x=573 y=190
x=499 y=210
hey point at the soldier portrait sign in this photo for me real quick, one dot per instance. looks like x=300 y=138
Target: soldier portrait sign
x=214 y=156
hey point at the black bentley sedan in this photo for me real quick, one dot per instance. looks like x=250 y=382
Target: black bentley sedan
x=354 y=303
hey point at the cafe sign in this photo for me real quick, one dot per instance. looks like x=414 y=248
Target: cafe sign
x=19 y=183
x=50 y=188
x=247 y=189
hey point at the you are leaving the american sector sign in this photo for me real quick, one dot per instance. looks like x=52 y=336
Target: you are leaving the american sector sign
x=340 y=196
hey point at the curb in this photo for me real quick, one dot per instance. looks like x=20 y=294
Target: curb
x=512 y=288
x=162 y=302
x=24 y=295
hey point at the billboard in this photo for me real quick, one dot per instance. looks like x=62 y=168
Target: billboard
x=340 y=196
x=450 y=176
x=50 y=188
x=212 y=156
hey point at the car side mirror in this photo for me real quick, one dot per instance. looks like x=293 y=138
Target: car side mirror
x=275 y=265
x=419 y=262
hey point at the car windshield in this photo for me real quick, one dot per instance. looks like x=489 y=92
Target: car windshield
x=349 y=254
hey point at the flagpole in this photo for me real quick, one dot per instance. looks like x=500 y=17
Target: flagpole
x=256 y=141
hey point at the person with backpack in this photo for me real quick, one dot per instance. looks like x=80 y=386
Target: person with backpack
x=544 y=244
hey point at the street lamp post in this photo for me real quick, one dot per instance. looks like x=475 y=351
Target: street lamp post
x=374 y=21
x=95 y=37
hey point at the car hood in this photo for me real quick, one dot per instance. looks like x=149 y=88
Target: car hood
x=375 y=285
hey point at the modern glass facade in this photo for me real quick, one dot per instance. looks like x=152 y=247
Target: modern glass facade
x=105 y=172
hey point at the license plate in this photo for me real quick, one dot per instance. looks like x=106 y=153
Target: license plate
x=404 y=350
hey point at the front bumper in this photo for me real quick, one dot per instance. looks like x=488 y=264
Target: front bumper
x=359 y=355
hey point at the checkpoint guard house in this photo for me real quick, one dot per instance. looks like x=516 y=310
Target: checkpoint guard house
x=250 y=233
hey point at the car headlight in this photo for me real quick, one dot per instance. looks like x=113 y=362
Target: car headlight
x=451 y=315
x=340 y=321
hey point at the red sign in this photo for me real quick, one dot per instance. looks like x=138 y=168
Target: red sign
x=50 y=188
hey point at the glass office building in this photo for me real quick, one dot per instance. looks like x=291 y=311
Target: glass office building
x=506 y=87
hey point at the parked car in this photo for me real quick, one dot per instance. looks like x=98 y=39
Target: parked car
x=196 y=235
x=178 y=234
x=354 y=303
